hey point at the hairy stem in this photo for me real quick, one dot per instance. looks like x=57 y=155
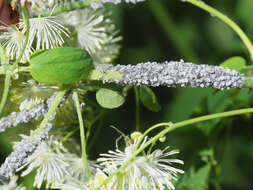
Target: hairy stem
x=51 y=110
x=82 y=135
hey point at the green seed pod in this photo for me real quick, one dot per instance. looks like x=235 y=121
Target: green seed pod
x=64 y=65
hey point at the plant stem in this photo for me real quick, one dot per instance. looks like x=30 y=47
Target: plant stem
x=137 y=111
x=13 y=67
x=82 y=135
x=171 y=128
x=7 y=82
x=226 y=20
x=51 y=111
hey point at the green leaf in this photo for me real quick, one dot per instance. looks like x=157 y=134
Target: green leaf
x=196 y=180
x=109 y=99
x=148 y=99
x=185 y=102
x=235 y=63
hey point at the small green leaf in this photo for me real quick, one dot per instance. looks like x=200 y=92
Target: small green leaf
x=109 y=99
x=235 y=63
x=148 y=99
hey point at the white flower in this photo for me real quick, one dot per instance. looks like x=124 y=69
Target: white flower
x=77 y=179
x=76 y=167
x=13 y=39
x=89 y=24
x=144 y=172
x=158 y=170
x=51 y=165
x=71 y=183
x=111 y=46
x=12 y=185
x=99 y=179
x=95 y=33
x=47 y=32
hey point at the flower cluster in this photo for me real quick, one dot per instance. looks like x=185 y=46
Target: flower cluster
x=64 y=170
x=147 y=171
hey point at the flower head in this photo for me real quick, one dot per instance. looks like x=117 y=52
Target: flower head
x=147 y=171
x=13 y=39
x=47 y=31
x=95 y=33
x=51 y=165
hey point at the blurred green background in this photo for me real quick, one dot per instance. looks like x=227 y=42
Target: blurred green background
x=218 y=154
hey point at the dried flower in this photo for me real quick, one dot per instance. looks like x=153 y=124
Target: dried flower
x=173 y=74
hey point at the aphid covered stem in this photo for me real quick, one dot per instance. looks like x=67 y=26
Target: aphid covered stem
x=29 y=144
x=171 y=74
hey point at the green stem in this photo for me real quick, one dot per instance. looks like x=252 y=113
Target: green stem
x=82 y=135
x=7 y=82
x=51 y=111
x=13 y=67
x=169 y=129
x=226 y=20
x=137 y=101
